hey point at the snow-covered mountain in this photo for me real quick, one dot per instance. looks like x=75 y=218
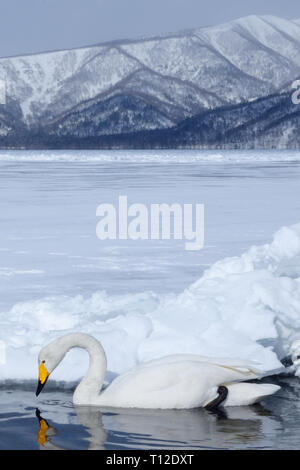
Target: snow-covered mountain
x=129 y=87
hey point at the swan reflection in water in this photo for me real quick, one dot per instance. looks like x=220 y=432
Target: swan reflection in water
x=45 y=432
x=109 y=428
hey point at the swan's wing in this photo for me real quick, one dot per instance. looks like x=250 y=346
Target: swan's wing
x=171 y=384
x=240 y=364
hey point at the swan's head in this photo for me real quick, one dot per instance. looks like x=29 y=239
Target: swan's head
x=49 y=358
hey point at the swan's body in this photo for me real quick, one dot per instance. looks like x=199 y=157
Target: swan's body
x=178 y=381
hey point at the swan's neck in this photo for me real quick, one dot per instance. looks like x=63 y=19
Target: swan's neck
x=90 y=386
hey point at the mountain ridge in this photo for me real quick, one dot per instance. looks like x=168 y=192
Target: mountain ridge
x=150 y=84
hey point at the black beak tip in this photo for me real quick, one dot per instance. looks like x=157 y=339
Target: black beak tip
x=39 y=388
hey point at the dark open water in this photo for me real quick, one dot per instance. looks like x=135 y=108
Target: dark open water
x=273 y=424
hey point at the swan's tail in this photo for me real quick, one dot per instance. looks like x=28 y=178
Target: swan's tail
x=243 y=393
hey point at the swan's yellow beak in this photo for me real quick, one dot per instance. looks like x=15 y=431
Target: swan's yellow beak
x=43 y=376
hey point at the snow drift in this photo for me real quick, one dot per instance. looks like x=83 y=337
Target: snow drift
x=245 y=307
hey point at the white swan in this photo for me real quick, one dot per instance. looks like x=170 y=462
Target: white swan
x=178 y=381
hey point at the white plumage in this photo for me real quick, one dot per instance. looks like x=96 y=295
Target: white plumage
x=177 y=381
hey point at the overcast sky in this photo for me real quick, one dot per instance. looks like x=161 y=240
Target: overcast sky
x=39 y=25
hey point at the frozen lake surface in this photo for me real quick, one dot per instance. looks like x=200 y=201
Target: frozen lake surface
x=145 y=299
x=48 y=217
